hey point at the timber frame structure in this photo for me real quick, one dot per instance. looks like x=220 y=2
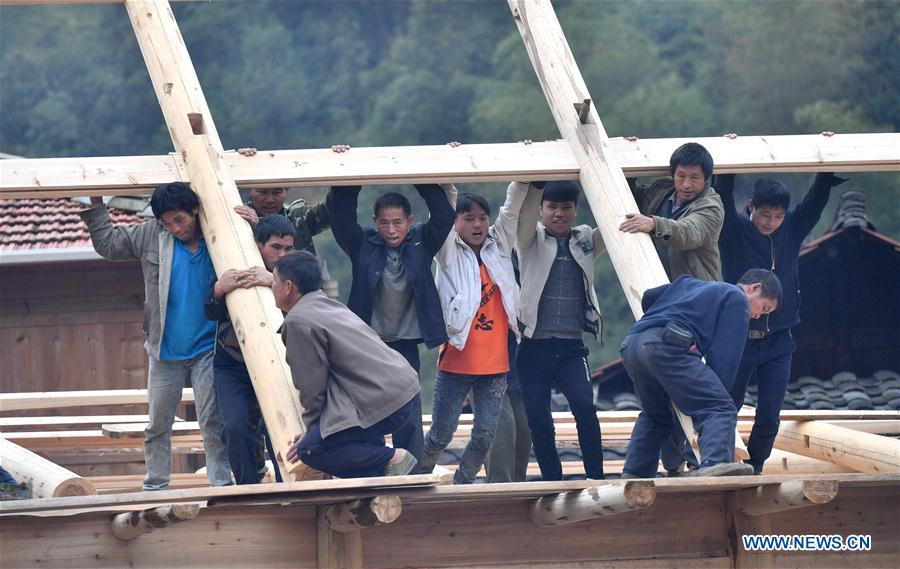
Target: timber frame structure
x=834 y=474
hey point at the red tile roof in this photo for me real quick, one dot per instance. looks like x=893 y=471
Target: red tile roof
x=48 y=224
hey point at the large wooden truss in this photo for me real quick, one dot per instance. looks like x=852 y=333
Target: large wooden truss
x=411 y=521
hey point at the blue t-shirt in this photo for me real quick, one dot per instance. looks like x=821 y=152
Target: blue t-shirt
x=188 y=333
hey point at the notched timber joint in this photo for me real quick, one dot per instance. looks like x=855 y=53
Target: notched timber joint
x=197 y=126
x=364 y=513
x=583 y=109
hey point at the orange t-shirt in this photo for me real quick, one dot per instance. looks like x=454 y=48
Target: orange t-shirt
x=486 y=351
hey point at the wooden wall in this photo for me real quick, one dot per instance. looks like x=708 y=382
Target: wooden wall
x=76 y=326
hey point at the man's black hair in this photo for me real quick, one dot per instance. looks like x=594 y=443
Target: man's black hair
x=771 y=285
x=392 y=199
x=273 y=224
x=692 y=154
x=770 y=192
x=176 y=196
x=561 y=192
x=466 y=201
x=301 y=268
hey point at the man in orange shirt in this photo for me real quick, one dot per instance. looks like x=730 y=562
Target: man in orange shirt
x=480 y=299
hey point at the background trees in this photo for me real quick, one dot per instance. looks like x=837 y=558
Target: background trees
x=315 y=73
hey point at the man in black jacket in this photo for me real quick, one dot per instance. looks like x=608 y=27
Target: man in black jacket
x=393 y=290
x=768 y=235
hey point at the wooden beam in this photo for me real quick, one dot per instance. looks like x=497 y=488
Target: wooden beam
x=46 y=479
x=127 y=526
x=860 y=451
x=552 y=160
x=786 y=496
x=592 y=503
x=64 y=399
x=80 y=421
x=365 y=513
x=229 y=238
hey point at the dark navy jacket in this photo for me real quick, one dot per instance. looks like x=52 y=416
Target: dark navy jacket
x=368 y=254
x=716 y=313
x=743 y=247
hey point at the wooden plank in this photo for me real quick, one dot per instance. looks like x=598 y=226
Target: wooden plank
x=253 y=313
x=552 y=160
x=65 y=399
x=45 y=478
x=860 y=451
x=203 y=494
x=136 y=430
x=83 y=421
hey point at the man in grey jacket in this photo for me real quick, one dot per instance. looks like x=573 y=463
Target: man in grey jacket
x=683 y=215
x=178 y=273
x=353 y=388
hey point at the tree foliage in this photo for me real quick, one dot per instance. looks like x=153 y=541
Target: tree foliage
x=315 y=73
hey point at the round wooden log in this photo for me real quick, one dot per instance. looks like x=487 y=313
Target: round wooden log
x=591 y=503
x=863 y=452
x=130 y=525
x=363 y=513
x=786 y=496
x=46 y=479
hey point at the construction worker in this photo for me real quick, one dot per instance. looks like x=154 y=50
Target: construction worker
x=768 y=234
x=393 y=289
x=684 y=322
x=244 y=427
x=480 y=298
x=178 y=273
x=558 y=304
x=353 y=388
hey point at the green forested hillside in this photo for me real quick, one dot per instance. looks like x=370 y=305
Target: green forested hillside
x=302 y=74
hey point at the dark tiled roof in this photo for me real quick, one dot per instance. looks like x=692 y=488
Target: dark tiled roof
x=844 y=391
x=48 y=224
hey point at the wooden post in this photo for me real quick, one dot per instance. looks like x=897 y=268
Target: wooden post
x=229 y=238
x=591 y=503
x=789 y=495
x=863 y=452
x=130 y=525
x=632 y=254
x=46 y=479
x=367 y=512
x=335 y=549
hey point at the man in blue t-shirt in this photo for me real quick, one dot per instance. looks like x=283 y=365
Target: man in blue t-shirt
x=178 y=273
x=685 y=323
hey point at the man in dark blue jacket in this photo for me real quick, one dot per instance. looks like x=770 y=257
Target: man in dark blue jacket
x=683 y=323
x=393 y=290
x=768 y=235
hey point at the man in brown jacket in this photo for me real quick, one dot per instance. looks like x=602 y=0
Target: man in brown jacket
x=683 y=215
x=353 y=388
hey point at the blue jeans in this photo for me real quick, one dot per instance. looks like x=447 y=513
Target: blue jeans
x=165 y=381
x=770 y=358
x=354 y=452
x=543 y=364
x=450 y=391
x=410 y=436
x=663 y=375
x=244 y=431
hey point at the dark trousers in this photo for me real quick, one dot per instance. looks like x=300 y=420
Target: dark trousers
x=508 y=459
x=664 y=375
x=245 y=430
x=411 y=436
x=354 y=452
x=542 y=365
x=770 y=358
